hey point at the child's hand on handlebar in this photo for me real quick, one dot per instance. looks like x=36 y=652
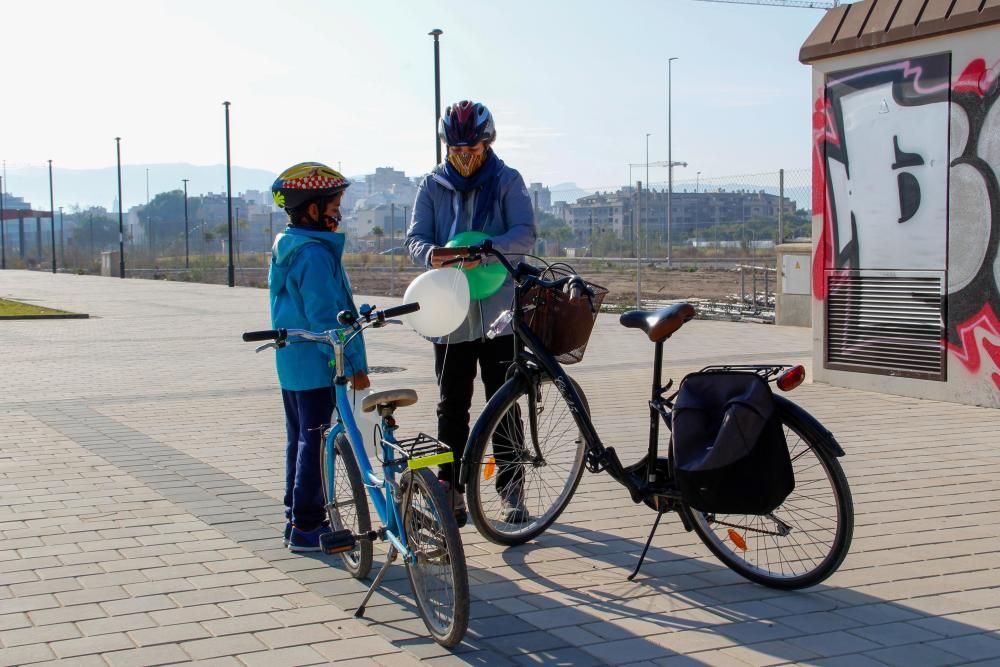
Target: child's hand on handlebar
x=448 y=256
x=360 y=381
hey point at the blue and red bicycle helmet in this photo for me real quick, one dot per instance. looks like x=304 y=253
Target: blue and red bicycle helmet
x=466 y=123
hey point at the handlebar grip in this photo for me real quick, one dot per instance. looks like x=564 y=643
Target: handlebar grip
x=254 y=336
x=403 y=309
x=525 y=269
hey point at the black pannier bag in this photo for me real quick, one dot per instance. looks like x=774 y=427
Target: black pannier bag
x=730 y=454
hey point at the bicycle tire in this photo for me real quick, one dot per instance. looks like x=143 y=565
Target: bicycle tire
x=819 y=512
x=561 y=445
x=348 y=508
x=432 y=534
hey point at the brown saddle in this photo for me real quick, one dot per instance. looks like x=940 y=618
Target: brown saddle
x=658 y=324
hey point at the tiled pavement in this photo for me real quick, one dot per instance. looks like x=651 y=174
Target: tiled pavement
x=140 y=478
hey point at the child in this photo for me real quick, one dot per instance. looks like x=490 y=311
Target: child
x=308 y=287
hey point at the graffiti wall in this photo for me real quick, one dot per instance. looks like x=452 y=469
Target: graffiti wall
x=906 y=177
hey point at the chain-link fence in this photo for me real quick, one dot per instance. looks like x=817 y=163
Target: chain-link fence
x=723 y=228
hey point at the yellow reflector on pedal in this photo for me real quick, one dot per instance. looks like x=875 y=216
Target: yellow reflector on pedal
x=489 y=468
x=738 y=540
x=432 y=460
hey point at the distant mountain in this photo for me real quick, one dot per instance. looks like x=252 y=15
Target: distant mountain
x=568 y=192
x=99 y=187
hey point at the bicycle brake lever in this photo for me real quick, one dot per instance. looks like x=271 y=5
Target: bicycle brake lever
x=266 y=346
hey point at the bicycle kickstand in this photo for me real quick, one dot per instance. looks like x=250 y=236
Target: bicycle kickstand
x=378 y=579
x=642 y=557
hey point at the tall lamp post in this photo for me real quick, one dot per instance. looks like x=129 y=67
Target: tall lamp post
x=436 y=34
x=121 y=220
x=697 y=182
x=52 y=213
x=670 y=161
x=62 y=238
x=3 y=230
x=229 y=202
x=187 y=248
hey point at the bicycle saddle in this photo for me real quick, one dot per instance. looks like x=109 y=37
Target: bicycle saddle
x=394 y=398
x=658 y=324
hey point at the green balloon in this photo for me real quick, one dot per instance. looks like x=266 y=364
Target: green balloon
x=485 y=280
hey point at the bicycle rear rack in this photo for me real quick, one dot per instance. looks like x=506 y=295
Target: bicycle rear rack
x=422 y=451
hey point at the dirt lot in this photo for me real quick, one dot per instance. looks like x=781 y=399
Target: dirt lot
x=657 y=283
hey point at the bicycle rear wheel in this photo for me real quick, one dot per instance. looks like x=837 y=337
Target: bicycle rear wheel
x=346 y=503
x=520 y=478
x=803 y=541
x=437 y=572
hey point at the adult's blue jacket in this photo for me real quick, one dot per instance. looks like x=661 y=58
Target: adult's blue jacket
x=441 y=211
x=309 y=287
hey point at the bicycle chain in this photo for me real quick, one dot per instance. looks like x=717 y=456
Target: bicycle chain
x=749 y=529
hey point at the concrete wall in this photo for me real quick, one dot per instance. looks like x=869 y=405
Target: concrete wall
x=914 y=186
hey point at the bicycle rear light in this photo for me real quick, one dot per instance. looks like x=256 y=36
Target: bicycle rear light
x=791 y=378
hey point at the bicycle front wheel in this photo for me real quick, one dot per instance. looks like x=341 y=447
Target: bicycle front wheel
x=522 y=475
x=803 y=541
x=437 y=570
x=346 y=502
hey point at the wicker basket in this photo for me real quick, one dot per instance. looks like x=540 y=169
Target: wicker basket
x=563 y=325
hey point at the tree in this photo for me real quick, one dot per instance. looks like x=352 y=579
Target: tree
x=378 y=234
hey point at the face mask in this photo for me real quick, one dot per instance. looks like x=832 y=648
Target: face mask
x=466 y=163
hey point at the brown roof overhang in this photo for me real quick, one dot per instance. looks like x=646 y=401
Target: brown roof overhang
x=870 y=24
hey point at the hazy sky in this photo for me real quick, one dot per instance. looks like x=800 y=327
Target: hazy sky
x=574 y=85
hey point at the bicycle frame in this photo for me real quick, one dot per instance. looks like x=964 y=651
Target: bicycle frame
x=381 y=490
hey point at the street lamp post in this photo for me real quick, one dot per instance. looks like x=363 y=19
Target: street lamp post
x=229 y=202
x=52 y=213
x=187 y=248
x=648 y=135
x=3 y=230
x=697 y=182
x=62 y=238
x=121 y=221
x=436 y=34
x=670 y=161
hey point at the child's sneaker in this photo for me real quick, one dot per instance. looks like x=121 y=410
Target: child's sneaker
x=288 y=533
x=301 y=541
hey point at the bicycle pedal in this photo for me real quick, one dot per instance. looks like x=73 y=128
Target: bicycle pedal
x=337 y=542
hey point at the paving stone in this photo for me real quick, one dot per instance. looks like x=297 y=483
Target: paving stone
x=147 y=656
x=215 y=647
x=87 y=645
x=292 y=655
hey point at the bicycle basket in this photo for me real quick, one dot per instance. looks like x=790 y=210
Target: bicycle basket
x=563 y=325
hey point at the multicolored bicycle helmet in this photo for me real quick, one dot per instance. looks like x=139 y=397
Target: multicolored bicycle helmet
x=466 y=123
x=306 y=182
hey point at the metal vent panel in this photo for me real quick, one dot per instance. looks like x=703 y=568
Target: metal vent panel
x=890 y=323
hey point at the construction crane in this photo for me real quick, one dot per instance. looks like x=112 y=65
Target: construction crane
x=804 y=4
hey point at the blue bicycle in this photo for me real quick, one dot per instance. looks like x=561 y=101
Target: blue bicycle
x=417 y=520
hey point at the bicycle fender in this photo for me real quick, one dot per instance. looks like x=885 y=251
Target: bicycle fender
x=818 y=431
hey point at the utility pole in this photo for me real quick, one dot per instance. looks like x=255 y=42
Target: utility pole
x=436 y=34
x=52 y=213
x=638 y=260
x=3 y=230
x=670 y=162
x=229 y=203
x=392 y=248
x=62 y=238
x=187 y=234
x=781 y=206
x=121 y=223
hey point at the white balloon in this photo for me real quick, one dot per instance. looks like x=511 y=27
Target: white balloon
x=443 y=295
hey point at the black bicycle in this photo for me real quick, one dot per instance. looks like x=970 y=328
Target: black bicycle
x=528 y=449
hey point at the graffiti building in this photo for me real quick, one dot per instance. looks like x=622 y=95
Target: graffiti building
x=906 y=197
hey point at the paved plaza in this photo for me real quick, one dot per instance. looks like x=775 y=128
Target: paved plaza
x=141 y=474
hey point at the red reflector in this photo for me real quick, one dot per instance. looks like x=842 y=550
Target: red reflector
x=791 y=378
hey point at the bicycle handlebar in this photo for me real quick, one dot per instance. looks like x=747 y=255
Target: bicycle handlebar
x=373 y=316
x=524 y=274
